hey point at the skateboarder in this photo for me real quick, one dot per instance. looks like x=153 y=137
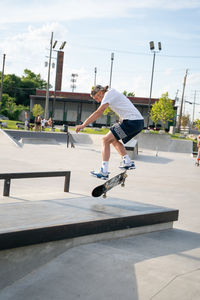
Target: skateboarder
x=198 y=151
x=131 y=123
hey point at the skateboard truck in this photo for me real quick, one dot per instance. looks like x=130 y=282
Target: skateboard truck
x=124 y=178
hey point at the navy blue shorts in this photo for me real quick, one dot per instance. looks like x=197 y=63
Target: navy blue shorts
x=127 y=129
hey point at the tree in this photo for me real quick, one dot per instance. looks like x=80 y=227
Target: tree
x=162 y=110
x=197 y=124
x=130 y=94
x=185 y=120
x=29 y=83
x=37 y=110
x=12 y=86
x=22 y=87
x=109 y=113
x=9 y=108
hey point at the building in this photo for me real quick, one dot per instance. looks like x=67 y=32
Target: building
x=72 y=108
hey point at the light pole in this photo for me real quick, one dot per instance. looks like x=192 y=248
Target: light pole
x=57 y=62
x=95 y=76
x=2 y=75
x=152 y=48
x=73 y=80
x=111 y=68
x=46 y=111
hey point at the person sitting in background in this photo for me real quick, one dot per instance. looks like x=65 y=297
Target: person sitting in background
x=43 y=123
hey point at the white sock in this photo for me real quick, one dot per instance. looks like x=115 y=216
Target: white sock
x=105 y=166
x=127 y=159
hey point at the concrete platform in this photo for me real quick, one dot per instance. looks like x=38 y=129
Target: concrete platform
x=155 y=265
x=44 y=221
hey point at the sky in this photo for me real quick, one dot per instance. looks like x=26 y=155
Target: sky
x=93 y=29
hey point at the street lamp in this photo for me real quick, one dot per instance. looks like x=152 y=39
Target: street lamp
x=73 y=80
x=52 y=46
x=46 y=111
x=95 y=76
x=152 y=48
x=111 y=68
x=59 y=52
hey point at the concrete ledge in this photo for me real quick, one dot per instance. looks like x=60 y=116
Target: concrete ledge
x=163 y=142
x=77 y=217
x=132 y=148
x=38 y=141
x=37 y=137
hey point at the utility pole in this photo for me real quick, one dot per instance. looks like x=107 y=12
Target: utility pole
x=2 y=75
x=195 y=92
x=46 y=111
x=182 y=100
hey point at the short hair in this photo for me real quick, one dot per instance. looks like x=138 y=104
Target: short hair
x=97 y=88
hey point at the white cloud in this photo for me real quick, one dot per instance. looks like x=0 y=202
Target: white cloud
x=29 y=49
x=62 y=10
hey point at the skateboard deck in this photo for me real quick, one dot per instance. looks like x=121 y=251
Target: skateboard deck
x=109 y=184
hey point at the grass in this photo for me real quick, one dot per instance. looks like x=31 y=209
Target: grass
x=176 y=136
x=93 y=130
x=12 y=125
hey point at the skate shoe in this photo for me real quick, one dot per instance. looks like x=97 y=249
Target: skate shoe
x=127 y=166
x=100 y=174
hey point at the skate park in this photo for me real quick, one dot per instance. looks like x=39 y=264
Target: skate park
x=57 y=245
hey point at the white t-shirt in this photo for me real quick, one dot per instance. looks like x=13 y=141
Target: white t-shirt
x=121 y=105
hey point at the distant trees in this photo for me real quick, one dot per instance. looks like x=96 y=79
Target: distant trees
x=37 y=110
x=17 y=91
x=162 y=110
x=185 y=119
x=9 y=108
x=197 y=124
x=130 y=94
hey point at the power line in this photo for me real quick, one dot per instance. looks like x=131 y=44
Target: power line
x=135 y=53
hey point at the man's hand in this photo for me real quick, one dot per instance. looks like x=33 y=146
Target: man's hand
x=79 y=127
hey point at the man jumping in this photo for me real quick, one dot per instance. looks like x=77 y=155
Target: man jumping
x=131 y=124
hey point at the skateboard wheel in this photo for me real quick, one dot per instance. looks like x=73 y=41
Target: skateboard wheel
x=104 y=196
x=123 y=184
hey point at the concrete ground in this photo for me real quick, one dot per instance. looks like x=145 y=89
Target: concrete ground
x=159 y=265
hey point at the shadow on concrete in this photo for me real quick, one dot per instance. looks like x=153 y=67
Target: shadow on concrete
x=100 y=267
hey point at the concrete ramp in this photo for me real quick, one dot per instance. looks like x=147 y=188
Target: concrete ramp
x=7 y=140
x=89 y=139
x=33 y=222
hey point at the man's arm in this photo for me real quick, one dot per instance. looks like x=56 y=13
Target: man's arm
x=93 y=117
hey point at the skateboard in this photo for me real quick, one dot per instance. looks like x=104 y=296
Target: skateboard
x=109 y=184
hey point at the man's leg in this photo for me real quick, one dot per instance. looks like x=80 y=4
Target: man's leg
x=110 y=139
